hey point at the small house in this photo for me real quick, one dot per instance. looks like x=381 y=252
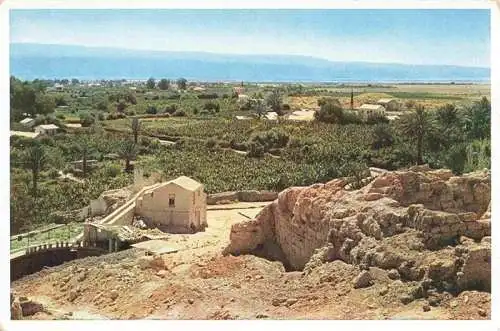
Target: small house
x=368 y=110
x=28 y=122
x=180 y=205
x=58 y=87
x=47 y=129
x=389 y=104
x=271 y=115
x=73 y=125
x=32 y=135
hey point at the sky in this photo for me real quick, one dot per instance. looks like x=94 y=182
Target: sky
x=443 y=37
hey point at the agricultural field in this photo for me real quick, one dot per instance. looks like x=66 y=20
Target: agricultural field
x=207 y=132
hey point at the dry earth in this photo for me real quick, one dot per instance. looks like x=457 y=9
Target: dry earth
x=346 y=266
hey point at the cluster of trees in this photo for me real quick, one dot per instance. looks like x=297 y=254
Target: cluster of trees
x=260 y=105
x=164 y=84
x=43 y=159
x=452 y=137
x=265 y=142
x=331 y=111
x=29 y=98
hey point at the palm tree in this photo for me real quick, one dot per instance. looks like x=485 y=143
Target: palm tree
x=275 y=101
x=478 y=119
x=417 y=125
x=447 y=116
x=136 y=126
x=128 y=153
x=259 y=107
x=84 y=149
x=35 y=160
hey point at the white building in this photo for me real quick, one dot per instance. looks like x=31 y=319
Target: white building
x=179 y=204
x=47 y=129
x=32 y=135
x=28 y=122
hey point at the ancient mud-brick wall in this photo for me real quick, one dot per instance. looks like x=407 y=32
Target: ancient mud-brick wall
x=300 y=222
x=436 y=204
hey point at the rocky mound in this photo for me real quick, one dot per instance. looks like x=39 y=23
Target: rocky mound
x=421 y=225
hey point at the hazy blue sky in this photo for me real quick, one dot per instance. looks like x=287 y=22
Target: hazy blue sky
x=459 y=37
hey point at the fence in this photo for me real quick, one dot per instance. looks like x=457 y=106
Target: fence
x=51 y=235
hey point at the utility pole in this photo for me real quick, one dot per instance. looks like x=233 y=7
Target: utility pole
x=352 y=99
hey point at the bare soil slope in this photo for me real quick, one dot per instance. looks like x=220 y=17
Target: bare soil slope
x=372 y=253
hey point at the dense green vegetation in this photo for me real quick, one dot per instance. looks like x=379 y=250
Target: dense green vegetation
x=281 y=153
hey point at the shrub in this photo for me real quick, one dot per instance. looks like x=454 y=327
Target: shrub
x=174 y=96
x=113 y=170
x=180 y=113
x=382 y=135
x=53 y=173
x=120 y=107
x=111 y=116
x=273 y=138
x=102 y=105
x=207 y=96
x=86 y=120
x=211 y=143
x=350 y=117
x=151 y=110
x=328 y=100
x=60 y=116
x=255 y=149
x=224 y=144
x=238 y=146
x=330 y=111
x=131 y=113
x=410 y=104
x=212 y=106
x=60 y=101
x=170 y=109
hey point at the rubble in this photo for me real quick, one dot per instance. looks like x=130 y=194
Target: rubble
x=364 y=279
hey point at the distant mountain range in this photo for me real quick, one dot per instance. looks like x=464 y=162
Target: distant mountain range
x=30 y=61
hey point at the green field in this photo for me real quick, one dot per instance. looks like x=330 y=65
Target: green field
x=225 y=153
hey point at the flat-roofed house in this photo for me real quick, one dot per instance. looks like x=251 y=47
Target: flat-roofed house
x=180 y=205
x=389 y=104
x=47 y=129
x=28 y=122
x=368 y=110
x=32 y=135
